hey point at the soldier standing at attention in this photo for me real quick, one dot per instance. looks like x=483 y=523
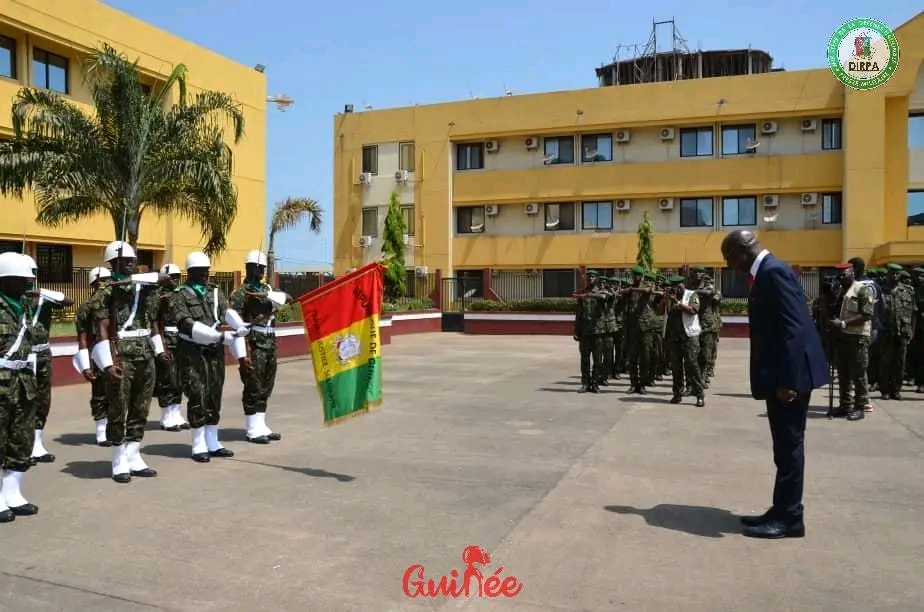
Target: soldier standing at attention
x=662 y=357
x=257 y=302
x=854 y=325
x=83 y=322
x=619 y=305
x=41 y=303
x=638 y=299
x=683 y=330
x=609 y=327
x=588 y=327
x=899 y=311
x=710 y=319
x=17 y=402
x=199 y=308
x=872 y=278
x=917 y=343
x=128 y=341
x=167 y=389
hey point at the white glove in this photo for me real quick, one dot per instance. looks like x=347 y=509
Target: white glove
x=51 y=295
x=242 y=331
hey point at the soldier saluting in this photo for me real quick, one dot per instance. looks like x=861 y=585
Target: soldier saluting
x=167 y=388
x=86 y=338
x=589 y=331
x=854 y=326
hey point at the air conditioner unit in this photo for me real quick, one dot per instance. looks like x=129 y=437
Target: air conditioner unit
x=421 y=270
x=401 y=176
x=365 y=241
x=531 y=209
x=492 y=146
x=666 y=204
x=769 y=127
x=532 y=143
x=809 y=199
x=667 y=134
x=365 y=178
x=623 y=205
x=408 y=240
x=623 y=136
x=809 y=125
x=771 y=201
x=491 y=210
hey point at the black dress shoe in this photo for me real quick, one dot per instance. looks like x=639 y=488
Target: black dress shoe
x=24 y=510
x=46 y=458
x=595 y=389
x=184 y=426
x=754 y=521
x=275 y=437
x=172 y=428
x=201 y=458
x=584 y=389
x=856 y=415
x=677 y=399
x=122 y=478
x=145 y=473
x=7 y=516
x=221 y=453
x=104 y=444
x=896 y=396
x=775 y=529
x=603 y=383
x=259 y=440
x=700 y=402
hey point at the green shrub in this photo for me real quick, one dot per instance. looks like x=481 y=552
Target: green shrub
x=733 y=308
x=409 y=305
x=289 y=314
x=537 y=305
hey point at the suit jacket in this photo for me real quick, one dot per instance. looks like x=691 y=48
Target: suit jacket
x=786 y=350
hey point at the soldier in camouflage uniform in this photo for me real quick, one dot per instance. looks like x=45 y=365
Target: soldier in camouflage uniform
x=256 y=302
x=899 y=312
x=642 y=328
x=710 y=320
x=917 y=343
x=17 y=386
x=874 y=278
x=128 y=341
x=42 y=303
x=662 y=357
x=853 y=326
x=589 y=326
x=168 y=389
x=199 y=308
x=681 y=307
x=83 y=322
x=618 y=338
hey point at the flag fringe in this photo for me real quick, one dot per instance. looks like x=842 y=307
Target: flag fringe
x=367 y=408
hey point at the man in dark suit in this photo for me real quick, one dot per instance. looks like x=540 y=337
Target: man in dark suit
x=787 y=363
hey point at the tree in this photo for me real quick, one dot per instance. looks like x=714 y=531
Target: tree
x=645 y=255
x=133 y=154
x=393 y=250
x=287 y=215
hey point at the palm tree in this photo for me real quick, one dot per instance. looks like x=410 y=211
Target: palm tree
x=135 y=154
x=287 y=215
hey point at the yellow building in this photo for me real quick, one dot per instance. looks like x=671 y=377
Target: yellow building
x=557 y=181
x=41 y=45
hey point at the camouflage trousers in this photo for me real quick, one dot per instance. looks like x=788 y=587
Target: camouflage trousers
x=708 y=352
x=875 y=351
x=130 y=399
x=42 y=388
x=99 y=396
x=641 y=347
x=916 y=349
x=619 y=352
x=202 y=372
x=893 y=350
x=592 y=364
x=852 y=363
x=168 y=389
x=685 y=366
x=17 y=418
x=260 y=381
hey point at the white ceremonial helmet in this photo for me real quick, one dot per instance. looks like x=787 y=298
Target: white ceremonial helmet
x=16 y=265
x=99 y=273
x=113 y=250
x=256 y=257
x=197 y=259
x=170 y=269
x=34 y=266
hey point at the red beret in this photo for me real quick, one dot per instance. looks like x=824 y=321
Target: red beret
x=844 y=266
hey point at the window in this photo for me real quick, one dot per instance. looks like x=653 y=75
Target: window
x=559 y=150
x=831 y=208
x=738 y=139
x=559 y=217
x=916 y=207
x=470 y=219
x=10 y=245
x=145 y=259
x=406 y=156
x=371 y=222
x=146 y=89
x=469 y=284
x=739 y=211
x=696 y=212
x=734 y=284
x=371 y=159
x=7 y=57
x=55 y=263
x=596 y=148
x=830 y=134
x=408 y=213
x=49 y=71
x=470 y=156
x=558 y=283
x=696 y=142
x=916 y=131
x=597 y=215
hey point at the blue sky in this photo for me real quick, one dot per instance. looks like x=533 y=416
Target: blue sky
x=413 y=52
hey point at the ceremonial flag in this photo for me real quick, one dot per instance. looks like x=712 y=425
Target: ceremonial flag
x=342 y=325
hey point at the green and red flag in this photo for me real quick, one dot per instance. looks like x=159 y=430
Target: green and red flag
x=342 y=326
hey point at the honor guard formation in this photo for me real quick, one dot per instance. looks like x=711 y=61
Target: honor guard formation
x=140 y=335
x=650 y=327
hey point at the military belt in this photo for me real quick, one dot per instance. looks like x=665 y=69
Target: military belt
x=134 y=333
x=172 y=330
x=41 y=348
x=269 y=331
x=15 y=364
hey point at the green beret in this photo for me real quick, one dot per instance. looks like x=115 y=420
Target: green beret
x=649 y=275
x=593 y=273
x=918 y=270
x=905 y=274
x=894 y=267
x=638 y=270
x=698 y=269
x=614 y=279
x=676 y=280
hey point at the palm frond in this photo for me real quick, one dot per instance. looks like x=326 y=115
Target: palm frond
x=292 y=211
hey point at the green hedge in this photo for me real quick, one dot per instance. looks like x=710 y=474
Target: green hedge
x=293 y=312
x=568 y=305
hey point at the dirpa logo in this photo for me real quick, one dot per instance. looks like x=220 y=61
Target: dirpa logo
x=347 y=348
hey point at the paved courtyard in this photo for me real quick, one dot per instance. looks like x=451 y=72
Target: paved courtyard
x=606 y=502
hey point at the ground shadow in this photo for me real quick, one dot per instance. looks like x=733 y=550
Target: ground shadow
x=307 y=471
x=738 y=395
x=173 y=451
x=233 y=434
x=558 y=389
x=76 y=439
x=646 y=399
x=813 y=413
x=88 y=470
x=702 y=521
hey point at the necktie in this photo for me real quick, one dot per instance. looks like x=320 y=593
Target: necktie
x=750 y=281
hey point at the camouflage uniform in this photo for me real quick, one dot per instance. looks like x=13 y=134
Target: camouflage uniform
x=852 y=350
x=875 y=280
x=899 y=310
x=710 y=320
x=589 y=328
x=684 y=349
x=42 y=310
x=643 y=329
x=619 y=337
x=609 y=325
x=168 y=388
x=661 y=363
x=917 y=343
x=99 y=400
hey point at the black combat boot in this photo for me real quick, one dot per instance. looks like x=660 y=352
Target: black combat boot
x=856 y=415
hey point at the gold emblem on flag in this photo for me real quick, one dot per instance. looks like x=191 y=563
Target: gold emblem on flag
x=347 y=348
